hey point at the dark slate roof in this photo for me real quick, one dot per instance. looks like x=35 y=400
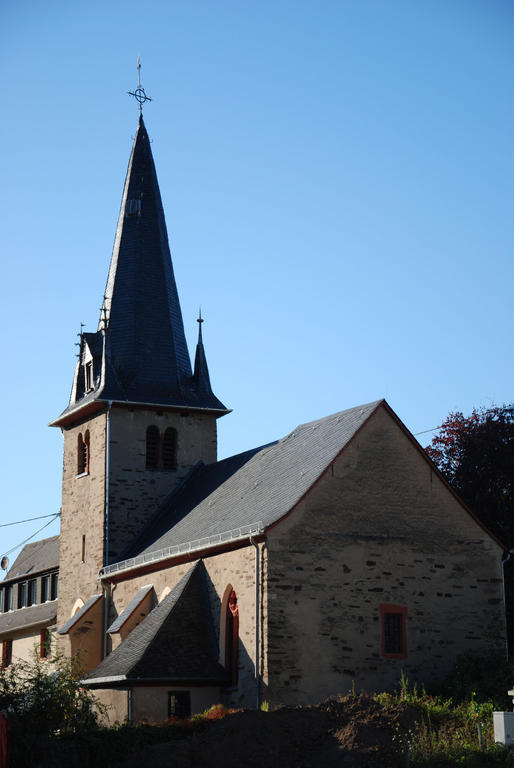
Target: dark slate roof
x=259 y=486
x=175 y=642
x=143 y=351
x=129 y=610
x=41 y=615
x=35 y=558
x=203 y=480
x=77 y=617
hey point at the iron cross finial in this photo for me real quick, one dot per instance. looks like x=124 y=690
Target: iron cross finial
x=139 y=94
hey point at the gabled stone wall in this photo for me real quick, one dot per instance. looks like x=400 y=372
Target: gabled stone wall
x=379 y=527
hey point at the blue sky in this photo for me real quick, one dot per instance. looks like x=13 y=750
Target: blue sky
x=338 y=181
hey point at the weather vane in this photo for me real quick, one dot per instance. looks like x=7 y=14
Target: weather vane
x=139 y=94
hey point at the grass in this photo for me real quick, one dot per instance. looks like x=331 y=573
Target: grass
x=447 y=732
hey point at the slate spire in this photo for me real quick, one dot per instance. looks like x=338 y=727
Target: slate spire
x=141 y=306
x=139 y=352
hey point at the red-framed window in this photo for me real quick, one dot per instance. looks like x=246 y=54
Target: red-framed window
x=393 y=620
x=44 y=644
x=6 y=653
x=232 y=637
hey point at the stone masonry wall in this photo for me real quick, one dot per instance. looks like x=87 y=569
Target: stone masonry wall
x=379 y=527
x=83 y=501
x=235 y=568
x=134 y=491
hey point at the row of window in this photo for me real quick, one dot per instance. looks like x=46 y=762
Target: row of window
x=161 y=449
x=45 y=641
x=27 y=593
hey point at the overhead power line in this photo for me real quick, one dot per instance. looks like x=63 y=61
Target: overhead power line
x=29 y=520
x=488 y=410
x=54 y=517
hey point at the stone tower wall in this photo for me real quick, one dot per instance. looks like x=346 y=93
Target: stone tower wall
x=134 y=491
x=83 y=501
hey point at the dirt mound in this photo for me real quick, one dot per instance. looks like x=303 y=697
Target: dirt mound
x=355 y=732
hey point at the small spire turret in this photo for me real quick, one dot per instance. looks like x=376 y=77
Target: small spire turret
x=201 y=373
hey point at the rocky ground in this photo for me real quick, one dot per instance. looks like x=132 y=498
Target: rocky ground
x=355 y=732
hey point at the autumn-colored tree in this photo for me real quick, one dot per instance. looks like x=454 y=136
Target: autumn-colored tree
x=476 y=455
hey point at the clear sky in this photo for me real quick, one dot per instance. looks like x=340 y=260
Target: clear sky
x=338 y=181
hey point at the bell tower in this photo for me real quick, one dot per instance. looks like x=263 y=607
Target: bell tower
x=139 y=418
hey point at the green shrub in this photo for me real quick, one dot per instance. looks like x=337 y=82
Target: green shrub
x=42 y=701
x=485 y=676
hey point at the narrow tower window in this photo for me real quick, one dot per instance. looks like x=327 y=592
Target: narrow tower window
x=83 y=453
x=169 y=449
x=83 y=556
x=152 y=447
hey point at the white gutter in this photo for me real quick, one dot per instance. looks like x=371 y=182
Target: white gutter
x=243 y=533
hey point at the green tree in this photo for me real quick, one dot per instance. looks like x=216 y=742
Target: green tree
x=476 y=455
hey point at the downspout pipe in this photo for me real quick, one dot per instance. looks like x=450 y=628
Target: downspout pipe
x=107 y=477
x=106 y=522
x=505 y=560
x=257 y=623
x=106 y=593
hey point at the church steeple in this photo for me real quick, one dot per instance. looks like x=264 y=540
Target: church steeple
x=139 y=352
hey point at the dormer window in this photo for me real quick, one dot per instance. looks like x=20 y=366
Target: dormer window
x=133 y=208
x=89 y=376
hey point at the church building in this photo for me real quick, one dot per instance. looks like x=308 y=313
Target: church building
x=335 y=555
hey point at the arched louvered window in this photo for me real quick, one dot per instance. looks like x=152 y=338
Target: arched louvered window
x=169 y=449
x=152 y=447
x=83 y=453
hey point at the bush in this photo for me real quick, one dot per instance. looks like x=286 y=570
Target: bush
x=41 y=702
x=484 y=677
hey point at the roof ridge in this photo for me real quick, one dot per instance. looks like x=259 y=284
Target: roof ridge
x=323 y=419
